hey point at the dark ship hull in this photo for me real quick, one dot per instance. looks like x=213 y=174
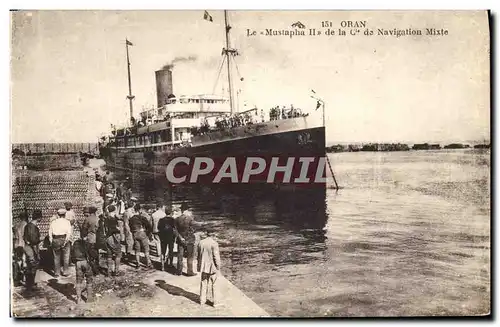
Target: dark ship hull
x=291 y=138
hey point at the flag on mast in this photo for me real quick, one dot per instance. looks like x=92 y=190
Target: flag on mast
x=206 y=16
x=128 y=42
x=318 y=104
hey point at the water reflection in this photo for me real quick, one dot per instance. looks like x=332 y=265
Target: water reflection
x=254 y=206
x=407 y=235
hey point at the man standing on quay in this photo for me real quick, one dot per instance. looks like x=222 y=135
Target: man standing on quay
x=83 y=270
x=59 y=235
x=113 y=252
x=185 y=226
x=88 y=233
x=129 y=238
x=18 y=231
x=31 y=250
x=209 y=265
x=19 y=256
x=71 y=216
x=140 y=228
x=167 y=232
x=157 y=216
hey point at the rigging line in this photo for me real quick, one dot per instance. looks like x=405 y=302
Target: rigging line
x=237 y=69
x=218 y=74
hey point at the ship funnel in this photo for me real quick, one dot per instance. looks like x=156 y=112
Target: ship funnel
x=163 y=86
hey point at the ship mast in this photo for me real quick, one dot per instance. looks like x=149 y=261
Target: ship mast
x=228 y=52
x=130 y=97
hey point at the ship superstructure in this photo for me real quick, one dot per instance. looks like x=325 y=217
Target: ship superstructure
x=211 y=125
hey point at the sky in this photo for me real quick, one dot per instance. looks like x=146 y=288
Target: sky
x=69 y=77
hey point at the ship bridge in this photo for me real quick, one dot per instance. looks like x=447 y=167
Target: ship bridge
x=188 y=107
x=171 y=123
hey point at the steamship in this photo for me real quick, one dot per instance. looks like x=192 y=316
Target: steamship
x=161 y=134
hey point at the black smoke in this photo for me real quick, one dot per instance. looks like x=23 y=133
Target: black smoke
x=177 y=60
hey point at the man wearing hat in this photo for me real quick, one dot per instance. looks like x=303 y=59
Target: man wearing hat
x=31 y=247
x=59 y=236
x=186 y=239
x=88 y=233
x=209 y=265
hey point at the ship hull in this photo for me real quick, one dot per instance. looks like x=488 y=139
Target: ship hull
x=291 y=200
x=300 y=143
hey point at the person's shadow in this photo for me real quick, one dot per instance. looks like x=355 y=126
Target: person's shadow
x=177 y=291
x=67 y=289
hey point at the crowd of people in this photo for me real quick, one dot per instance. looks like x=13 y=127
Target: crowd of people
x=276 y=113
x=247 y=118
x=119 y=231
x=226 y=122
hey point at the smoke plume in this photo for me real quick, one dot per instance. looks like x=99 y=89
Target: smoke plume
x=176 y=60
